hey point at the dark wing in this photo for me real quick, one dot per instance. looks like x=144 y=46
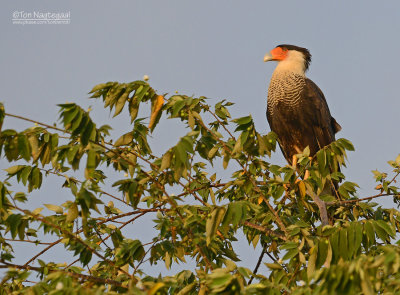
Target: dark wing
x=323 y=124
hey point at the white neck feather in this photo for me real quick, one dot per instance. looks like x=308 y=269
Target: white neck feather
x=293 y=63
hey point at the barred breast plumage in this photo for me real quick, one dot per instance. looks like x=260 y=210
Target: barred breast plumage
x=285 y=88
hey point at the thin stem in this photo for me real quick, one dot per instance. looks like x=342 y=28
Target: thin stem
x=100 y=190
x=363 y=199
x=258 y=264
x=37 y=122
x=69 y=234
x=265 y=230
x=28 y=241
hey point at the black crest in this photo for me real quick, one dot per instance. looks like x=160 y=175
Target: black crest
x=305 y=51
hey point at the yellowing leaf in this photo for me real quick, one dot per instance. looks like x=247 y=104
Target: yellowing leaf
x=156 y=106
x=302 y=189
x=54 y=208
x=166 y=161
x=72 y=213
x=238 y=146
x=191 y=120
x=273 y=266
x=155 y=288
x=37 y=211
x=167 y=259
x=14 y=169
x=212 y=196
x=311 y=262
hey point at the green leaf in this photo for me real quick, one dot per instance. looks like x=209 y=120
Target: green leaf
x=24 y=147
x=141 y=92
x=290 y=254
x=121 y=103
x=25 y=174
x=133 y=109
x=125 y=139
x=225 y=161
x=91 y=159
x=243 y=120
x=177 y=107
x=347 y=144
x=89 y=133
x=213 y=222
x=13 y=222
x=380 y=231
x=98 y=87
x=323 y=246
x=70 y=115
x=321 y=159
x=219 y=280
x=35 y=179
x=20 y=197
x=386 y=227
x=358 y=237
x=343 y=244
x=370 y=232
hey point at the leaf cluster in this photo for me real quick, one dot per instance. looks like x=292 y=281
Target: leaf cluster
x=197 y=214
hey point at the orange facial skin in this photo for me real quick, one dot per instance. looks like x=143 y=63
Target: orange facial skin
x=278 y=53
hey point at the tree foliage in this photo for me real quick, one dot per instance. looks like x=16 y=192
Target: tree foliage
x=196 y=213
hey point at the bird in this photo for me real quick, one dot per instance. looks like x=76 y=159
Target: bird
x=297 y=110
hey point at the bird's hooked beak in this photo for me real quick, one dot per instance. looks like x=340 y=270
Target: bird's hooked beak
x=268 y=57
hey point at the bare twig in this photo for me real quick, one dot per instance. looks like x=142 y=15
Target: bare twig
x=100 y=190
x=28 y=241
x=363 y=199
x=37 y=122
x=42 y=252
x=208 y=263
x=264 y=249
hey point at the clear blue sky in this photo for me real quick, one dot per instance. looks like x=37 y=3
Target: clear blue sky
x=215 y=49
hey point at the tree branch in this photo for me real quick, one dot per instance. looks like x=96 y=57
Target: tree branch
x=321 y=206
x=265 y=230
x=258 y=264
